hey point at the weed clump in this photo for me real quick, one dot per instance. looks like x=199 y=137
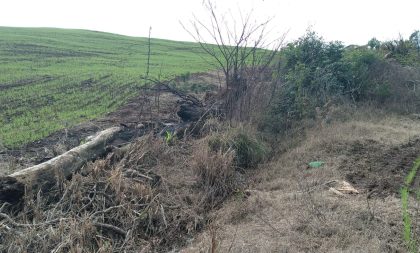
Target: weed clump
x=248 y=150
x=216 y=174
x=217 y=159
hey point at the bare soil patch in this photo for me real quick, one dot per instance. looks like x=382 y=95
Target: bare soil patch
x=377 y=168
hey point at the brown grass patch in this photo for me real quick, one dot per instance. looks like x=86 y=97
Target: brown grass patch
x=216 y=173
x=148 y=196
x=115 y=204
x=291 y=210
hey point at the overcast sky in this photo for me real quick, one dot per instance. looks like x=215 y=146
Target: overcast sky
x=353 y=22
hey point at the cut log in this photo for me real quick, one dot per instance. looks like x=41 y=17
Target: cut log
x=46 y=174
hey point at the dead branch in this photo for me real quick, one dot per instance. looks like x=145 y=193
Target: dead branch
x=15 y=224
x=110 y=227
x=165 y=87
x=45 y=174
x=241 y=50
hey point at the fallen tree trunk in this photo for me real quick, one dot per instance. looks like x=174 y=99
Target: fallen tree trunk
x=46 y=174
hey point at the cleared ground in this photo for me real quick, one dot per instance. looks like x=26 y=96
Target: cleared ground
x=291 y=209
x=136 y=114
x=51 y=79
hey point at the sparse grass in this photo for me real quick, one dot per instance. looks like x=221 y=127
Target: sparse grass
x=54 y=78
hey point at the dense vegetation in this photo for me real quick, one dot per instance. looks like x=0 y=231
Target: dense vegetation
x=54 y=78
x=312 y=72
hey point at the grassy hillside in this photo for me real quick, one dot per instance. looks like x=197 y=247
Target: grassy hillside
x=52 y=78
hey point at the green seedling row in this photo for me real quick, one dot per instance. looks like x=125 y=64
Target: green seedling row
x=55 y=78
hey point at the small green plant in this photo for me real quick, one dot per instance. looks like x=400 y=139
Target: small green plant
x=83 y=141
x=412 y=243
x=169 y=137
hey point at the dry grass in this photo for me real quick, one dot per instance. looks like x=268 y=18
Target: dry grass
x=154 y=197
x=216 y=173
x=290 y=209
x=125 y=203
x=146 y=197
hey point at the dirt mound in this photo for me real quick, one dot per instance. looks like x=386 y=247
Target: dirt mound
x=377 y=168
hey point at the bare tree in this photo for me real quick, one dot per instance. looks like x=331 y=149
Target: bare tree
x=148 y=52
x=241 y=50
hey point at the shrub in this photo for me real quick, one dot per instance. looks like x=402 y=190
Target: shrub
x=312 y=72
x=382 y=91
x=248 y=150
x=359 y=62
x=415 y=40
x=374 y=43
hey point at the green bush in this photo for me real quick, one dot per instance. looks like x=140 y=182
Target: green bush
x=313 y=72
x=374 y=43
x=185 y=76
x=249 y=151
x=359 y=63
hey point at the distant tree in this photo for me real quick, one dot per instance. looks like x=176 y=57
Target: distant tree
x=397 y=47
x=415 y=40
x=374 y=43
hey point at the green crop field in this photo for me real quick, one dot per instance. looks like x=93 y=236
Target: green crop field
x=53 y=78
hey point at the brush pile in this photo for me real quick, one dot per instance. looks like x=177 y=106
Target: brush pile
x=142 y=199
